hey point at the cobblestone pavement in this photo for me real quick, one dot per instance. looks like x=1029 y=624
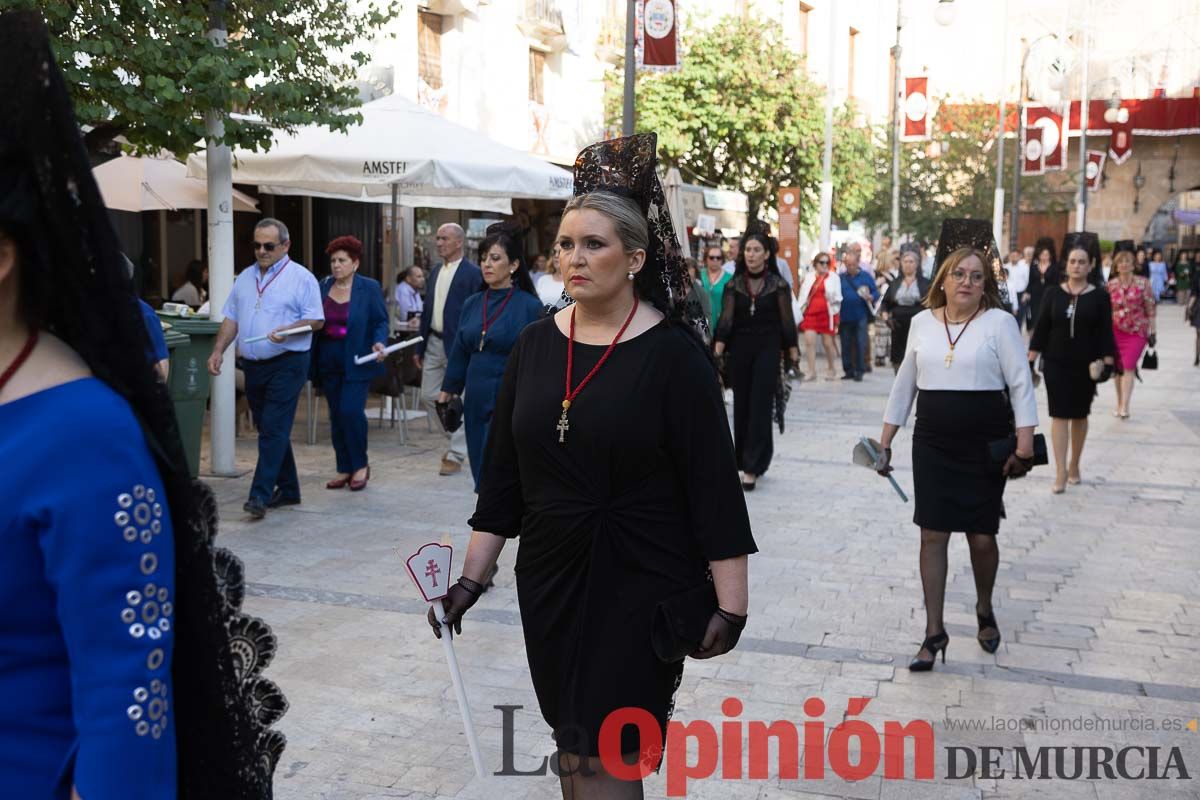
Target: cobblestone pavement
x=1097 y=599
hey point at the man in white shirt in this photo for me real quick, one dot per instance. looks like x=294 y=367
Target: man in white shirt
x=1018 y=281
x=449 y=285
x=731 y=264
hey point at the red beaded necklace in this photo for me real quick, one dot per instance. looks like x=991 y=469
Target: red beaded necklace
x=488 y=322
x=569 y=394
x=19 y=360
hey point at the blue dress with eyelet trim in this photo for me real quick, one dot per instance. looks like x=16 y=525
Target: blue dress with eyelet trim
x=87 y=584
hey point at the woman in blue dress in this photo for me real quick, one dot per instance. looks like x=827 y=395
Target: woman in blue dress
x=117 y=673
x=490 y=324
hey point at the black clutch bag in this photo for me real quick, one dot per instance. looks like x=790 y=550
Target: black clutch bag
x=450 y=413
x=1001 y=449
x=681 y=621
x=1150 y=360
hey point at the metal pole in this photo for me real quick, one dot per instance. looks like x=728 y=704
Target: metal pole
x=219 y=169
x=1015 y=213
x=896 y=128
x=1081 y=206
x=393 y=265
x=998 y=201
x=826 y=211
x=627 y=114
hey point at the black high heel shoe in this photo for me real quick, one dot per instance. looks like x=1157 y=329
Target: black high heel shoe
x=988 y=621
x=933 y=644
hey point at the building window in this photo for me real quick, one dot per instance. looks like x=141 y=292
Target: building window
x=537 y=80
x=851 y=58
x=429 y=48
x=802 y=32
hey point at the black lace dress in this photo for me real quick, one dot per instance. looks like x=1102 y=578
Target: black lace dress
x=756 y=343
x=627 y=511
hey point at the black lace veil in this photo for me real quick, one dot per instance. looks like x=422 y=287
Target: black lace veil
x=75 y=285
x=628 y=167
x=976 y=233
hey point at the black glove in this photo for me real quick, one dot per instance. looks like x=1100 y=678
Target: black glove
x=883 y=462
x=450 y=413
x=724 y=630
x=791 y=367
x=1152 y=341
x=722 y=360
x=1016 y=467
x=461 y=597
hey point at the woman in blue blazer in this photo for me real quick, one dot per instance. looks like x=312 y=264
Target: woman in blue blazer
x=356 y=323
x=488 y=329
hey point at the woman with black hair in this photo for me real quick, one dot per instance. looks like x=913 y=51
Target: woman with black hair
x=754 y=332
x=118 y=676
x=488 y=329
x=1043 y=273
x=194 y=289
x=609 y=456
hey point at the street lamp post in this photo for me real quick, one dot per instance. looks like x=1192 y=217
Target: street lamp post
x=826 y=208
x=998 y=197
x=1014 y=213
x=219 y=171
x=630 y=68
x=1081 y=206
x=896 y=126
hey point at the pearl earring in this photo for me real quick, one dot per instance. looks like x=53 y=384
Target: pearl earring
x=630 y=275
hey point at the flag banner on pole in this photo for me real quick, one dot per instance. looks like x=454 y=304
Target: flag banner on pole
x=1032 y=154
x=916 y=110
x=657 y=35
x=1054 y=143
x=1095 y=166
x=789 y=228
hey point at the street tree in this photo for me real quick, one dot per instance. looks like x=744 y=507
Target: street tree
x=742 y=113
x=146 y=71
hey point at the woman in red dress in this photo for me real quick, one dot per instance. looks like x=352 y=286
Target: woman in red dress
x=820 y=302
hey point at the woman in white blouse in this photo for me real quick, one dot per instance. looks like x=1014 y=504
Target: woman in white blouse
x=962 y=353
x=549 y=287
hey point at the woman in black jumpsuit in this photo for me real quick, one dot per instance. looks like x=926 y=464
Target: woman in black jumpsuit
x=755 y=328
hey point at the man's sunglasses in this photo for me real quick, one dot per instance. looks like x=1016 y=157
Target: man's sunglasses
x=268 y=246
x=822 y=260
x=713 y=258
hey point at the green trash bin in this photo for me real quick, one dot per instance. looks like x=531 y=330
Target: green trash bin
x=188 y=383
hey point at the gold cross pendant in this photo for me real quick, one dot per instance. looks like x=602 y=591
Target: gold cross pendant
x=563 y=424
x=949 y=358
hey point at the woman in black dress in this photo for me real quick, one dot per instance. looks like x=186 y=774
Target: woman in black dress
x=1073 y=329
x=1043 y=273
x=965 y=366
x=609 y=456
x=755 y=329
x=902 y=301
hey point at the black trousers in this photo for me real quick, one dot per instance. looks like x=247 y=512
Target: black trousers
x=754 y=373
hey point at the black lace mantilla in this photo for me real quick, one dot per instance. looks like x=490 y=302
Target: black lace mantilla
x=628 y=167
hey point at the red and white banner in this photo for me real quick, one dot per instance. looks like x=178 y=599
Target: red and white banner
x=1095 y=167
x=1033 y=155
x=657 y=35
x=1120 y=143
x=1054 y=143
x=916 y=110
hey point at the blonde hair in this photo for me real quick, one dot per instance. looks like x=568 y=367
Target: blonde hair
x=936 y=297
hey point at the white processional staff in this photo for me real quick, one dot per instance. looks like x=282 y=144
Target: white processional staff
x=429 y=568
x=391 y=348
x=288 y=332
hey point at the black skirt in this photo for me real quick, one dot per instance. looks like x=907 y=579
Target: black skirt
x=1069 y=388
x=956 y=485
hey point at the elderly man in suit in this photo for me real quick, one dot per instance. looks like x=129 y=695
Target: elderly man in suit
x=450 y=283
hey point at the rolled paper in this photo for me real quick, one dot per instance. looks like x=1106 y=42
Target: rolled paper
x=288 y=332
x=388 y=350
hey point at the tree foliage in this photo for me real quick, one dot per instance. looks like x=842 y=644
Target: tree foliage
x=145 y=69
x=956 y=177
x=743 y=113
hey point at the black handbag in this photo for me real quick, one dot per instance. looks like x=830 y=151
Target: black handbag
x=450 y=413
x=1000 y=449
x=1150 y=360
x=680 y=622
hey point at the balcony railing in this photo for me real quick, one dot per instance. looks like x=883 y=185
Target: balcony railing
x=545 y=13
